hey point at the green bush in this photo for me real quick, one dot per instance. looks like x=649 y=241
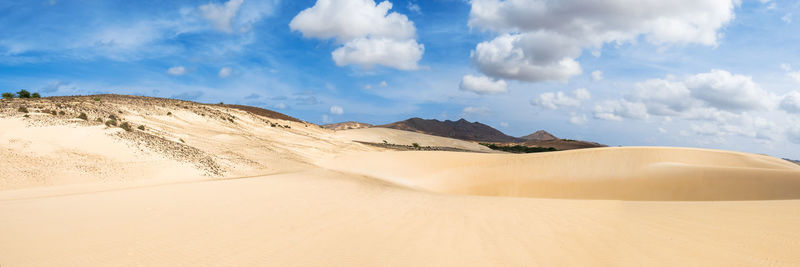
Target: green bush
x=112 y=117
x=24 y=94
x=23 y=109
x=83 y=116
x=62 y=113
x=415 y=145
x=126 y=126
x=141 y=127
x=100 y=120
x=518 y=148
x=169 y=113
x=110 y=123
x=36 y=95
x=96 y=99
x=8 y=95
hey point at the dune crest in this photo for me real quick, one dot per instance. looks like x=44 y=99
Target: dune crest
x=628 y=173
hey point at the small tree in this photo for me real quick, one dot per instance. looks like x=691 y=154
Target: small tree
x=415 y=145
x=24 y=94
x=8 y=95
x=36 y=95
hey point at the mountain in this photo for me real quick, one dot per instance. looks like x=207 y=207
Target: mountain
x=540 y=135
x=542 y=138
x=346 y=125
x=460 y=129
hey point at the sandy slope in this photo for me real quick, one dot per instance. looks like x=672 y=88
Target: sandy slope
x=400 y=137
x=321 y=218
x=77 y=193
x=632 y=173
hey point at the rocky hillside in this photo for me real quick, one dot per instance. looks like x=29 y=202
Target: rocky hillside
x=460 y=129
x=540 y=135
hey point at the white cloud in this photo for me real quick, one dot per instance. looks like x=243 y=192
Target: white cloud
x=578 y=119
x=383 y=84
x=225 y=72
x=504 y=124
x=620 y=109
x=177 y=70
x=795 y=75
x=414 y=7
x=482 y=85
x=279 y=106
x=539 y=40
x=337 y=110
x=476 y=110
x=597 y=75
x=221 y=15
x=793 y=134
x=663 y=97
x=787 y=18
x=368 y=87
x=326 y=118
x=528 y=57
x=560 y=99
x=791 y=102
x=366 y=52
x=723 y=90
x=369 y=33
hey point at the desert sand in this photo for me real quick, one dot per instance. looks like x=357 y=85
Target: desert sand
x=240 y=191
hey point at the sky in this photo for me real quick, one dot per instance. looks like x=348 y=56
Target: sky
x=722 y=74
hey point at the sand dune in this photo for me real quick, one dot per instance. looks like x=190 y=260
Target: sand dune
x=630 y=173
x=400 y=137
x=213 y=185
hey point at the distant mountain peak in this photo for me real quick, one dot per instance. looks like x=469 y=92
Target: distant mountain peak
x=460 y=129
x=540 y=135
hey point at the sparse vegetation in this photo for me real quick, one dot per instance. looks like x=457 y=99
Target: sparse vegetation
x=169 y=113
x=23 y=109
x=96 y=99
x=519 y=148
x=181 y=140
x=111 y=123
x=8 y=95
x=100 y=120
x=126 y=126
x=415 y=145
x=62 y=113
x=83 y=116
x=112 y=117
x=24 y=94
x=141 y=127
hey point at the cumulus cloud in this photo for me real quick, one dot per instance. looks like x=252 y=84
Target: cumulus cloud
x=560 y=99
x=482 y=85
x=597 y=75
x=370 y=34
x=366 y=52
x=663 y=97
x=225 y=72
x=539 y=40
x=791 y=102
x=528 y=57
x=383 y=84
x=578 y=119
x=787 y=18
x=723 y=90
x=337 y=110
x=476 y=110
x=795 y=75
x=617 y=110
x=177 y=70
x=221 y=15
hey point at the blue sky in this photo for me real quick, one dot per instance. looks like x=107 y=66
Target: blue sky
x=702 y=73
